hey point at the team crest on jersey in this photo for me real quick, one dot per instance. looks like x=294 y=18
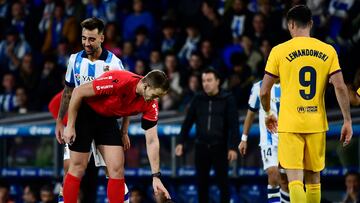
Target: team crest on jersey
x=77 y=77
x=106 y=68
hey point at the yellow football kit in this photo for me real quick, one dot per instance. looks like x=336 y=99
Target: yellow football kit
x=358 y=92
x=304 y=65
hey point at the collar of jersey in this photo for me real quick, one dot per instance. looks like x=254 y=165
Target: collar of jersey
x=103 y=55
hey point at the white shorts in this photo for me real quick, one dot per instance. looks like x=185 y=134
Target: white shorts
x=99 y=160
x=269 y=155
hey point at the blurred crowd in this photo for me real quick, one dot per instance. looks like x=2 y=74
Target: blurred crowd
x=180 y=37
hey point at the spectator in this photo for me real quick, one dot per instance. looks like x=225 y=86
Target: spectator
x=63 y=53
x=140 y=67
x=209 y=55
x=217 y=134
x=253 y=57
x=128 y=57
x=111 y=41
x=28 y=75
x=195 y=67
x=21 y=101
x=74 y=8
x=210 y=22
x=47 y=194
x=156 y=60
x=137 y=195
x=60 y=27
x=191 y=44
x=12 y=50
x=189 y=92
x=137 y=19
x=105 y=10
x=143 y=45
x=5 y=193
x=7 y=95
x=258 y=32
x=46 y=16
x=170 y=41
x=352 y=183
x=4 y=9
x=30 y=195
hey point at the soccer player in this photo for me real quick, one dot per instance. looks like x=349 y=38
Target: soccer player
x=112 y=95
x=304 y=66
x=84 y=67
x=277 y=183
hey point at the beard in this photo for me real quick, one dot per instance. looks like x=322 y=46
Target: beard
x=90 y=50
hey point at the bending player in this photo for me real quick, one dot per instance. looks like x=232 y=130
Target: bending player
x=112 y=95
x=277 y=182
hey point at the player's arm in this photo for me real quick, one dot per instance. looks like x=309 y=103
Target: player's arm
x=78 y=94
x=64 y=103
x=343 y=100
x=124 y=132
x=265 y=91
x=250 y=116
x=186 y=127
x=153 y=151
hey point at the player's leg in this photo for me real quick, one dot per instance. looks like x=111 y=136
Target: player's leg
x=79 y=153
x=291 y=155
x=221 y=167
x=89 y=182
x=202 y=166
x=109 y=143
x=284 y=189
x=313 y=164
x=66 y=164
x=114 y=159
x=269 y=155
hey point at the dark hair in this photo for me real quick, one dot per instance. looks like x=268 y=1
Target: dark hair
x=157 y=79
x=213 y=71
x=353 y=173
x=92 y=24
x=300 y=14
x=46 y=188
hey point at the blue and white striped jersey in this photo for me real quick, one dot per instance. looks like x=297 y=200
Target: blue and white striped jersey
x=266 y=138
x=81 y=70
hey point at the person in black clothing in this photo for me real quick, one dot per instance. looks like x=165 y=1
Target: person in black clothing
x=217 y=134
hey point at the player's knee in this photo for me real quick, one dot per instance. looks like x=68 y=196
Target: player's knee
x=116 y=171
x=312 y=177
x=77 y=169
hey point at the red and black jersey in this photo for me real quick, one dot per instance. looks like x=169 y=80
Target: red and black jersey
x=116 y=96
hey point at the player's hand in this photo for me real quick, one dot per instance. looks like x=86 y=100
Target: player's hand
x=179 y=150
x=159 y=188
x=59 y=131
x=271 y=123
x=346 y=133
x=242 y=148
x=69 y=135
x=126 y=140
x=232 y=155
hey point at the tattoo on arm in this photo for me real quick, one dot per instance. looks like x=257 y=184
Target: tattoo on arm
x=65 y=100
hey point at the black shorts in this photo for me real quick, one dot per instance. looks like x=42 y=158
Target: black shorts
x=91 y=126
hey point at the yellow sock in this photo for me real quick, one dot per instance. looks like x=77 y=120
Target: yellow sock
x=313 y=193
x=297 y=193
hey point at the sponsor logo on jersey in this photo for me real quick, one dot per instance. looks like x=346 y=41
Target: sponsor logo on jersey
x=106 y=68
x=307 y=109
x=103 y=87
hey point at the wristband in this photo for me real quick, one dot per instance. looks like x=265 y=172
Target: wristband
x=156 y=175
x=244 y=137
x=268 y=113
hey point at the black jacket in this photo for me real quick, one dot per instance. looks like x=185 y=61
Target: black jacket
x=216 y=118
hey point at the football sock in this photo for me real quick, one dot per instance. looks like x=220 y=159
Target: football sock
x=284 y=196
x=273 y=194
x=297 y=193
x=116 y=190
x=71 y=188
x=313 y=193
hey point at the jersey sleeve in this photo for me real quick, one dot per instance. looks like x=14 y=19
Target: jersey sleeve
x=116 y=63
x=272 y=64
x=335 y=66
x=152 y=111
x=69 y=76
x=254 y=99
x=107 y=84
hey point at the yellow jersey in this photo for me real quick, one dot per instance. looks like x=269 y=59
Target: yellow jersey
x=304 y=65
x=358 y=92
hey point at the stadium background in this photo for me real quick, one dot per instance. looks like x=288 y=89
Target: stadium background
x=181 y=38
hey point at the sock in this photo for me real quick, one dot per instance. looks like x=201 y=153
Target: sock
x=284 y=196
x=273 y=194
x=71 y=188
x=297 y=193
x=116 y=190
x=313 y=193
